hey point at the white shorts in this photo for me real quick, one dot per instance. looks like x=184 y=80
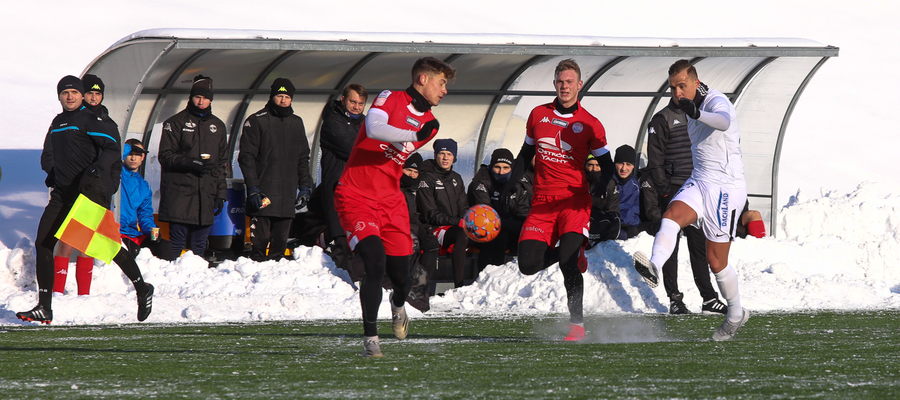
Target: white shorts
x=718 y=209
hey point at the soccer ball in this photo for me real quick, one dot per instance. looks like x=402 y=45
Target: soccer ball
x=482 y=223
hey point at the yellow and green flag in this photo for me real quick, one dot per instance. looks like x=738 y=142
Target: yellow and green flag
x=92 y=229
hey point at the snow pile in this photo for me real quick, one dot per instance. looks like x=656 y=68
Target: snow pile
x=840 y=251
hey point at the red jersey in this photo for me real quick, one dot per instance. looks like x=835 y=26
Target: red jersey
x=562 y=144
x=374 y=167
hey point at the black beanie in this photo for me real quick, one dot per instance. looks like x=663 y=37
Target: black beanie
x=445 y=145
x=93 y=83
x=414 y=161
x=202 y=86
x=282 y=86
x=502 y=155
x=69 y=82
x=625 y=153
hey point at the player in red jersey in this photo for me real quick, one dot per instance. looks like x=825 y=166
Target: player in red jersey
x=368 y=200
x=560 y=135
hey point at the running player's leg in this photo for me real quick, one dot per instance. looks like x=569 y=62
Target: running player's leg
x=573 y=280
x=535 y=256
x=397 y=270
x=371 y=251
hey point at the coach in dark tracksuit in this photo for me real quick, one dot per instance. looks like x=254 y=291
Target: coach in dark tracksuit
x=341 y=121
x=193 y=156
x=441 y=200
x=669 y=165
x=78 y=154
x=274 y=160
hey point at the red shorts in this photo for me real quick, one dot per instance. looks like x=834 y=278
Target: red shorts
x=552 y=216
x=387 y=218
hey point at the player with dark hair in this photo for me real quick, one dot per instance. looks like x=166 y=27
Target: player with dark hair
x=372 y=210
x=712 y=198
x=560 y=135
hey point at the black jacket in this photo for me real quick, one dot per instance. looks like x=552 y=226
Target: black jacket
x=517 y=203
x=336 y=139
x=604 y=197
x=186 y=197
x=409 y=186
x=275 y=157
x=75 y=142
x=441 y=197
x=115 y=175
x=484 y=190
x=669 y=159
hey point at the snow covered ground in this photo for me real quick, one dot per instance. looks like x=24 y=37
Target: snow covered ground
x=840 y=251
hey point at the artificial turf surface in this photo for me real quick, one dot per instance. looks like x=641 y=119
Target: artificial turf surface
x=840 y=355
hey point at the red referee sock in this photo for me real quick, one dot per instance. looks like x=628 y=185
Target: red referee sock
x=84 y=271
x=61 y=271
x=756 y=229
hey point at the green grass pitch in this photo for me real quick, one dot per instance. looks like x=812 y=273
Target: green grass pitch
x=839 y=355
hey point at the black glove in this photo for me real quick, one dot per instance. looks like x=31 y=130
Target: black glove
x=302 y=199
x=689 y=108
x=92 y=186
x=254 y=199
x=426 y=129
x=220 y=205
x=200 y=167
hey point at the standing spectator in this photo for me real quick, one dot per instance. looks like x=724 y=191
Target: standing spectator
x=78 y=153
x=193 y=155
x=84 y=266
x=341 y=121
x=712 y=196
x=136 y=224
x=605 y=223
x=669 y=165
x=561 y=134
x=275 y=162
x=368 y=198
x=487 y=187
x=442 y=200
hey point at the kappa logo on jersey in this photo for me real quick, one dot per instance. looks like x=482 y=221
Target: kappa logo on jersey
x=412 y=121
x=167 y=127
x=645 y=184
x=652 y=131
x=559 y=122
x=481 y=188
x=247 y=124
x=382 y=97
x=545 y=119
x=423 y=184
x=676 y=122
x=213 y=129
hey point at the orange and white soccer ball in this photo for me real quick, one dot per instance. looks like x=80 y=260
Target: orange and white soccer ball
x=482 y=223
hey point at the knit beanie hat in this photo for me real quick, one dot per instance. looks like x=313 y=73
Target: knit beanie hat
x=625 y=153
x=445 y=145
x=69 y=82
x=501 y=155
x=202 y=86
x=282 y=86
x=414 y=161
x=93 y=83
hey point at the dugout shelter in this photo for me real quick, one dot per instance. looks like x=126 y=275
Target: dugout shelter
x=500 y=78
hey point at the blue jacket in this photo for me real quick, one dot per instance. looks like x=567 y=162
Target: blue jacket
x=137 y=205
x=629 y=200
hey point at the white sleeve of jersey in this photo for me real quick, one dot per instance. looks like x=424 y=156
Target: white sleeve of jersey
x=377 y=128
x=599 y=152
x=718 y=117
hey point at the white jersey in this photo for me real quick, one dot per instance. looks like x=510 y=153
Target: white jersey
x=716 y=143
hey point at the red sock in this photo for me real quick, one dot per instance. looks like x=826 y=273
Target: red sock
x=756 y=229
x=84 y=270
x=61 y=270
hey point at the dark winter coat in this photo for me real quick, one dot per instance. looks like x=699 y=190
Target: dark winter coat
x=517 y=203
x=77 y=141
x=604 y=197
x=275 y=157
x=485 y=190
x=113 y=128
x=336 y=138
x=409 y=186
x=185 y=196
x=669 y=158
x=441 y=197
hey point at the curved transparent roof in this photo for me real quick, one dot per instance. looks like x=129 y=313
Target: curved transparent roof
x=500 y=78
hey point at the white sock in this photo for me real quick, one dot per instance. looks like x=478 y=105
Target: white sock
x=728 y=286
x=664 y=244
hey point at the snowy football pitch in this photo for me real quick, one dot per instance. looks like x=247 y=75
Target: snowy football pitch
x=797 y=355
